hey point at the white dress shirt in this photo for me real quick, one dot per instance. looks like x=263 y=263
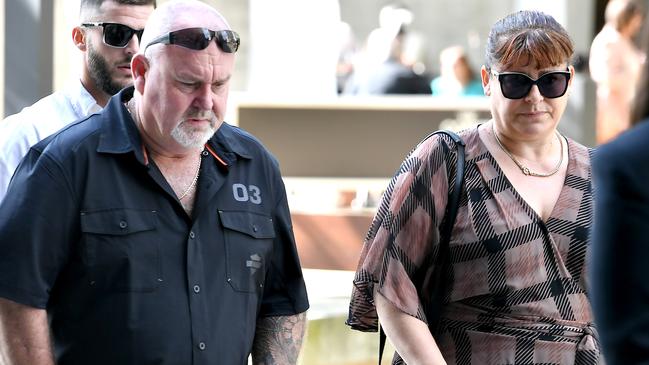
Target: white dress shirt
x=20 y=131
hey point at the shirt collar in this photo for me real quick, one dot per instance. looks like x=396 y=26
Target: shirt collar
x=82 y=102
x=227 y=139
x=119 y=134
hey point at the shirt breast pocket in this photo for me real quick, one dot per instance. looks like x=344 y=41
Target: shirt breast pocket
x=248 y=247
x=121 y=249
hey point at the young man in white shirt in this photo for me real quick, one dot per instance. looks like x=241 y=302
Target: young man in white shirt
x=108 y=36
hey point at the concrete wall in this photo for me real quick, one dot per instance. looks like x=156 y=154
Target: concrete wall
x=67 y=58
x=28 y=52
x=314 y=139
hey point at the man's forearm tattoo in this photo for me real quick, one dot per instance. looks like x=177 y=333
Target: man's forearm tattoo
x=278 y=340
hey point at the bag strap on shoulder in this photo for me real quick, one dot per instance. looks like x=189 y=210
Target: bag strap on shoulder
x=452 y=207
x=453 y=203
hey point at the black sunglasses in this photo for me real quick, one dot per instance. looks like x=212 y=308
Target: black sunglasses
x=117 y=35
x=516 y=85
x=199 y=38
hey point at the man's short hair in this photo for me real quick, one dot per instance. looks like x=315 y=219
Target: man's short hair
x=88 y=7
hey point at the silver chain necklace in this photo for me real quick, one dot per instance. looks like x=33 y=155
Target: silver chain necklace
x=191 y=186
x=524 y=169
x=131 y=109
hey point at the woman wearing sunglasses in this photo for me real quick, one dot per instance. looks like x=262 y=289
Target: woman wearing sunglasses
x=511 y=285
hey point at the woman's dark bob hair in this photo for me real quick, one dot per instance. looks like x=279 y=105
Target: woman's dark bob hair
x=527 y=36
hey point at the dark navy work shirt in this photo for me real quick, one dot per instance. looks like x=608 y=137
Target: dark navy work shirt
x=91 y=231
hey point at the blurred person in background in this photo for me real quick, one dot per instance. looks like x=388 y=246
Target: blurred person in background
x=108 y=35
x=456 y=78
x=619 y=271
x=389 y=62
x=347 y=53
x=615 y=64
x=512 y=286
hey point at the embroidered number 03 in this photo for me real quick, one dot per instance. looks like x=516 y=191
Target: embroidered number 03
x=244 y=193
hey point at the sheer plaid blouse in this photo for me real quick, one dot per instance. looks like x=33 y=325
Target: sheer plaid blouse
x=516 y=291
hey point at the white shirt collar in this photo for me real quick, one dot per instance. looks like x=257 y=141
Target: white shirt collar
x=82 y=102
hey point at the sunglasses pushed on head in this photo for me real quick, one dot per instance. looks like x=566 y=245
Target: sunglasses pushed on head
x=199 y=38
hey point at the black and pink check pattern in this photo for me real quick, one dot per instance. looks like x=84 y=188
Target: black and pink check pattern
x=516 y=291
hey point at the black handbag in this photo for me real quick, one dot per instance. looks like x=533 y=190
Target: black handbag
x=432 y=313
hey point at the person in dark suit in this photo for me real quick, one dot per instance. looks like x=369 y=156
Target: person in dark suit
x=620 y=252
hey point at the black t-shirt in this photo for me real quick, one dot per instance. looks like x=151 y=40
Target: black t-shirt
x=91 y=231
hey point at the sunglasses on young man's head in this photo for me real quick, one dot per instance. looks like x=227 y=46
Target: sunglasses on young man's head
x=199 y=38
x=516 y=85
x=115 y=34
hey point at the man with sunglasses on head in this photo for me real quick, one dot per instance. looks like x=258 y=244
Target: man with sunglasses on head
x=153 y=232
x=108 y=36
